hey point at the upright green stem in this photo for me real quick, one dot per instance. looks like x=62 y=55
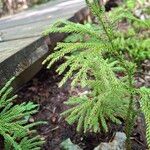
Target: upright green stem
x=107 y=33
x=130 y=114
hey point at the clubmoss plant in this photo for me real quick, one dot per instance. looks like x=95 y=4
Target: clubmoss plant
x=96 y=63
x=18 y=134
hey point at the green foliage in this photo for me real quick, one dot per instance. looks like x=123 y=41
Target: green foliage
x=18 y=134
x=89 y=68
x=145 y=106
x=94 y=57
x=134 y=39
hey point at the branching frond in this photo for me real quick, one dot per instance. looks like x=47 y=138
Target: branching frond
x=145 y=106
x=70 y=27
x=14 y=126
x=85 y=63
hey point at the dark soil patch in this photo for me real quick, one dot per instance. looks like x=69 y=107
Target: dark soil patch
x=1 y=143
x=43 y=89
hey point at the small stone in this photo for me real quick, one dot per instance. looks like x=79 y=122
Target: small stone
x=81 y=138
x=31 y=119
x=147 y=78
x=138 y=12
x=68 y=145
x=141 y=80
x=54 y=118
x=118 y=143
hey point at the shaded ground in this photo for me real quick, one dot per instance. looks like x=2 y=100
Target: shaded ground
x=43 y=89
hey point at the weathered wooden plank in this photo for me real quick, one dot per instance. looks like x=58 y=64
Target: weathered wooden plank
x=24 y=48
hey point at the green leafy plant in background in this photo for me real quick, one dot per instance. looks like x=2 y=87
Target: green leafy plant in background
x=95 y=63
x=134 y=39
x=145 y=106
x=18 y=134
